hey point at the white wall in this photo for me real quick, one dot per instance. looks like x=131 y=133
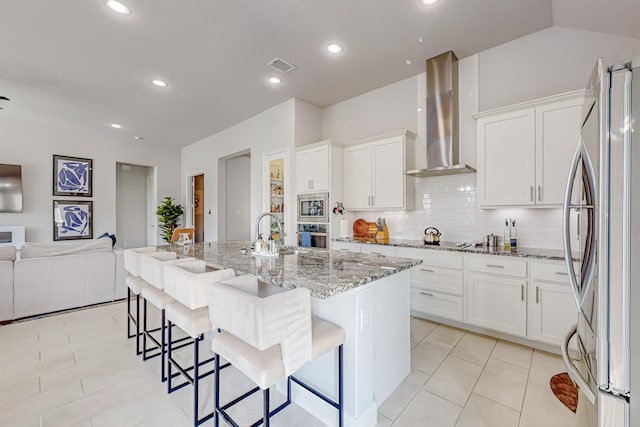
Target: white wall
x=548 y=62
x=267 y=132
x=31 y=138
x=308 y=123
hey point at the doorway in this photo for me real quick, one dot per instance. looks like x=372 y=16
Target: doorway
x=197 y=206
x=135 y=206
x=236 y=197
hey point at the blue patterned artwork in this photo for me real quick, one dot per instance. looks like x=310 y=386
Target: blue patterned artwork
x=72 y=219
x=72 y=176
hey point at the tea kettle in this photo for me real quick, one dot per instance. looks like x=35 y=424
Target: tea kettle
x=431 y=236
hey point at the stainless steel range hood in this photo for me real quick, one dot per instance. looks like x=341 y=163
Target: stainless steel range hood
x=442 y=118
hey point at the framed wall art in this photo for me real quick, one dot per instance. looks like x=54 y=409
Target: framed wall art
x=72 y=176
x=72 y=219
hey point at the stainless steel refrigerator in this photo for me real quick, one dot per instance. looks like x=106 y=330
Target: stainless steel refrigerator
x=602 y=247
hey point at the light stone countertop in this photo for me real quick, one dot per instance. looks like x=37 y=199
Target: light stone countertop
x=550 y=254
x=324 y=272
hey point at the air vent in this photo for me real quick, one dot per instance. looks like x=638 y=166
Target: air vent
x=282 y=65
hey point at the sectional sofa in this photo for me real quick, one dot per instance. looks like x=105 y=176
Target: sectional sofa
x=48 y=277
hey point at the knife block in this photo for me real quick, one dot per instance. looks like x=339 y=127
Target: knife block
x=382 y=236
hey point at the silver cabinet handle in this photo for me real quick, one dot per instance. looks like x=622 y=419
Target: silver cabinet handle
x=521 y=292
x=426 y=293
x=344 y=249
x=537 y=295
x=531 y=192
x=539 y=192
x=494 y=266
x=561 y=273
x=312 y=184
x=427 y=270
x=373 y=200
x=377 y=253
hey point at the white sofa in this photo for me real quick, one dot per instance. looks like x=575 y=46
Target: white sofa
x=57 y=276
x=7 y=257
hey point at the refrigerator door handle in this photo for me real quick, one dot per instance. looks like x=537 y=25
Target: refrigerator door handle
x=573 y=372
x=587 y=278
x=566 y=219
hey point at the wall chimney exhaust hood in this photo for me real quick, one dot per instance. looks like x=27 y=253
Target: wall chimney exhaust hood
x=442 y=118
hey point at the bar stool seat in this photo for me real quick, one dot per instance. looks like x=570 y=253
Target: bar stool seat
x=269 y=338
x=134 y=285
x=152 y=267
x=189 y=283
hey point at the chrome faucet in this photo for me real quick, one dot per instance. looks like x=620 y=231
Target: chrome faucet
x=280 y=226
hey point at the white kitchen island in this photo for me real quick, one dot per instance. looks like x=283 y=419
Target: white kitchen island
x=367 y=295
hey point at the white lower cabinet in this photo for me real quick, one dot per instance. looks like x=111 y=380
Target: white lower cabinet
x=497 y=302
x=552 y=310
x=367 y=248
x=496 y=293
x=345 y=246
x=436 y=284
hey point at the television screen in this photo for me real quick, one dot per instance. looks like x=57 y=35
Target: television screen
x=10 y=188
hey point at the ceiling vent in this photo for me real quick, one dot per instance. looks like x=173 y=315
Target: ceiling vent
x=282 y=65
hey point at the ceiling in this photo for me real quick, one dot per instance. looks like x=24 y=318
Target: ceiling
x=214 y=54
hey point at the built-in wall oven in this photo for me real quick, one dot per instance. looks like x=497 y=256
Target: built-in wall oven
x=313 y=235
x=313 y=207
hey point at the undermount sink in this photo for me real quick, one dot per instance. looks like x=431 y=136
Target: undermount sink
x=292 y=250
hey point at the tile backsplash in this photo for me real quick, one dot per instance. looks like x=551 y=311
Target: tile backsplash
x=449 y=203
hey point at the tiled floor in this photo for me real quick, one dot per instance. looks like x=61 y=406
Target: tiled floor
x=77 y=369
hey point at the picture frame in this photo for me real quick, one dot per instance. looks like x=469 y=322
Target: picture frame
x=72 y=219
x=72 y=176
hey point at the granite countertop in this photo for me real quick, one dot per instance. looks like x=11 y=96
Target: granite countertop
x=550 y=254
x=324 y=272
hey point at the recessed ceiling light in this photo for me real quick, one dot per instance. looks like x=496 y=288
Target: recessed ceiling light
x=159 y=82
x=138 y=138
x=334 y=48
x=428 y=2
x=118 y=7
x=419 y=109
x=408 y=62
x=116 y=126
x=275 y=80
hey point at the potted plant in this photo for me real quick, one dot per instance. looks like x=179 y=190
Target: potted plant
x=169 y=216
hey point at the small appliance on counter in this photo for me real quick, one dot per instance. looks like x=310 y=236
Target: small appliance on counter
x=431 y=236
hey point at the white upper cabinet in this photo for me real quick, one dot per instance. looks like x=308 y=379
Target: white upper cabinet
x=312 y=170
x=374 y=173
x=524 y=151
x=557 y=132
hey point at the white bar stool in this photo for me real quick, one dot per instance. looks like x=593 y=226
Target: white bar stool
x=189 y=284
x=134 y=286
x=269 y=338
x=152 y=267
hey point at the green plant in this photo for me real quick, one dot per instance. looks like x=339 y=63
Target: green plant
x=169 y=215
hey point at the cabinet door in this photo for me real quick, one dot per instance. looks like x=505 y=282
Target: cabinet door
x=552 y=312
x=436 y=304
x=388 y=173
x=557 y=132
x=303 y=171
x=357 y=177
x=312 y=170
x=506 y=159
x=497 y=303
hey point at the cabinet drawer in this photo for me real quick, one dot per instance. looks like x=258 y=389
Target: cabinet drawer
x=502 y=265
x=433 y=257
x=368 y=248
x=552 y=272
x=426 y=277
x=437 y=304
x=345 y=246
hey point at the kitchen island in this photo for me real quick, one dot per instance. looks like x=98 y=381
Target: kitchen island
x=367 y=295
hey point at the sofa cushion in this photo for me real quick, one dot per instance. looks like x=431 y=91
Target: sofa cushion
x=37 y=250
x=8 y=253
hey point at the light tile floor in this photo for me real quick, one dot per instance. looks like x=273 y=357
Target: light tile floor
x=78 y=369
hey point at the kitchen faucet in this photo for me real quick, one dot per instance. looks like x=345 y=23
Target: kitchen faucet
x=262 y=215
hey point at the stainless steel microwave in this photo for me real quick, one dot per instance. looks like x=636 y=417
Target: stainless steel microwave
x=313 y=207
